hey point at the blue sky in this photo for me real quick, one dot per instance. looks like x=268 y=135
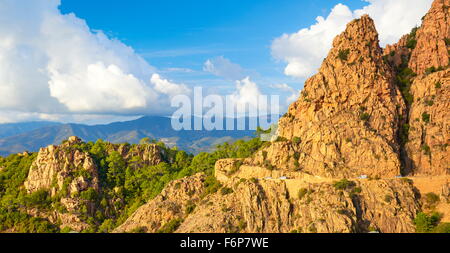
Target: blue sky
x=184 y=34
x=105 y=60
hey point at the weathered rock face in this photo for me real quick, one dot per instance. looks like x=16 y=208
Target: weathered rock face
x=273 y=206
x=445 y=192
x=433 y=39
x=65 y=172
x=170 y=205
x=425 y=50
x=399 y=53
x=53 y=165
x=428 y=138
x=345 y=124
x=149 y=154
x=73 y=221
x=429 y=134
x=348 y=113
x=56 y=163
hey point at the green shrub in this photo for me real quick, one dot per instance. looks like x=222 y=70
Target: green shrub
x=24 y=223
x=211 y=185
x=190 y=208
x=406 y=180
x=281 y=138
x=264 y=153
x=107 y=226
x=312 y=228
x=412 y=42
x=426 y=149
x=426 y=223
x=404 y=78
x=343 y=54
x=259 y=131
x=438 y=85
x=40 y=198
x=404 y=134
x=226 y=191
x=90 y=194
x=141 y=230
x=296 y=140
x=66 y=230
x=431 y=199
x=170 y=226
x=344 y=184
x=364 y=116
x=442 y=228
x=302 y=192
x=447 y=41
x=356 y=190
x=388 y=198
x=235 y=168
x=426 y=117
x=242 y=224
x=268 y=165
x=430 y=70
x=429 y=102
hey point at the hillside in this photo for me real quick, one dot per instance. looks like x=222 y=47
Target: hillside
x=363 y=148
x=94 y=187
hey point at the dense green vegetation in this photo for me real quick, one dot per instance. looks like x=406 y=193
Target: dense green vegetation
x=412 y=42
x=343 y=184
x=430 y=223
x=170 y=226
x=404 y=80
x=13 y=172
x=125 y=184
x=433 y=69
x=134 y=183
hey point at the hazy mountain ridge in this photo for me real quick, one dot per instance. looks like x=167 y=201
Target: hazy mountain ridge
x=25 y=137
x=11 y=129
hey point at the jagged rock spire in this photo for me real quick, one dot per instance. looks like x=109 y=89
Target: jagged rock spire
x=433 y=39
x=347 y=116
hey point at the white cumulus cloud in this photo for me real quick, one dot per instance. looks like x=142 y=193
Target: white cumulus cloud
x=53 y=63
x=223 y=67
x=249 y=100
x=167 y=87
x=304 y=50
x=294 y=93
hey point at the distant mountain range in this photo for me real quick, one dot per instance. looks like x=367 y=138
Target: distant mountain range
x=12 y=129
x=30 y=136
